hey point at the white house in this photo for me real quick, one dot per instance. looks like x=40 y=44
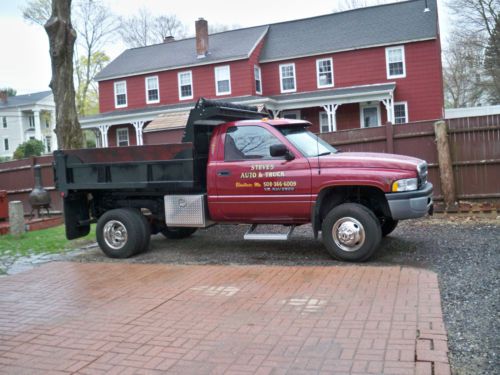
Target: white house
x=25 y=117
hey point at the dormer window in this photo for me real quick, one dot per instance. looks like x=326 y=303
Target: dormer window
x=120 y=94
x=287 y=78
x=223 y=80
x=395 y=60
x=152 y=90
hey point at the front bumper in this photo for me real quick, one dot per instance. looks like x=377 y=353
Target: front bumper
x=411 y=204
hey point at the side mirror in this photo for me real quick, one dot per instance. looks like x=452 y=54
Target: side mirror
x=279 y=150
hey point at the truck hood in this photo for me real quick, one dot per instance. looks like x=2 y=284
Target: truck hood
x=369 y=160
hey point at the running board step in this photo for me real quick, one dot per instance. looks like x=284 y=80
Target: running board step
x=251 y=235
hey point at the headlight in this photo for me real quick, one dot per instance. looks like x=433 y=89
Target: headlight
x=408 y=184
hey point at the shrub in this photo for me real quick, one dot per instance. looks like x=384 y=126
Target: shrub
x=33 y=147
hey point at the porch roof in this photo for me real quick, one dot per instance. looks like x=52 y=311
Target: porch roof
x=342 y=95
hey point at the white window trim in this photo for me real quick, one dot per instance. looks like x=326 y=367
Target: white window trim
x=179 y=85
x=126 y=96
x=366 y=105
x=217 y=92
x=5 y=124
x=294 y=78
x=118 y=139
x=317 y=73
x=295 y=112
x=406 y=112
x=255 y=78
x=157 y=87
x=402 y=48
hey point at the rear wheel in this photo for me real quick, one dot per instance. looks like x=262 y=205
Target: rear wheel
x=119 y=233
x=351 y=232
x=388 y=225
x=177 y=233
x=145 y=228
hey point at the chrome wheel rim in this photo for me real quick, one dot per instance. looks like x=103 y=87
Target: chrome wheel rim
x=115 y=234
x=348 y=234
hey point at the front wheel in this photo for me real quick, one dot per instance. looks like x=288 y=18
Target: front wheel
x=388 y=225
x=351 y=232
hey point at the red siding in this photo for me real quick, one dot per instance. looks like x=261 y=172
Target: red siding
x=203 y=86
x=163 y=137
x=112 y=135
x=422 y=87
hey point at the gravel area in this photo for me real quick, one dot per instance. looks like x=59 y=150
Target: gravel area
x=463 y=251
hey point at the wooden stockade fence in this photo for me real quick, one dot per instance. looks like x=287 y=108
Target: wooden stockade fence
x=474 y=146
x=473 y=142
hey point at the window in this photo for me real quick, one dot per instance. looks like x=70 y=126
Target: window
x=370 y=116
x=31 y=121
x=323 y=122
x=287 y=78
x=324 y=73
x=48 y=143
x=47 y=123
x=248 y=142
x=185 y=85
x=222 y=80
x=292 y=115
x=120 y=94
x=152 y=90
x=6 y=144
x=401 y=113
x=395 y=60
x=122 y=137
x=258 y=80
x=4 y=122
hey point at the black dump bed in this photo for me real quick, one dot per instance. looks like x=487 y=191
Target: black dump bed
x=168 y=168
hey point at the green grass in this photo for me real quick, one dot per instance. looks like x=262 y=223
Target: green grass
x=45 y=241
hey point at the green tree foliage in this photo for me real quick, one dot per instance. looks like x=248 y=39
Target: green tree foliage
x=9 y=91
x=33 y=147
x=87 y=98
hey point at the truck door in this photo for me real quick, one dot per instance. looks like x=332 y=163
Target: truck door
x=252 y=186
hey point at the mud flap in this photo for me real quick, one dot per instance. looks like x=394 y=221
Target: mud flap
x=76 y=215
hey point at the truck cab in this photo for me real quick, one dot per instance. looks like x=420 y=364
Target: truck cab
x=243 y=168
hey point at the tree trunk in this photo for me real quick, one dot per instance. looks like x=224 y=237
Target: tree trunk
x=62 y=38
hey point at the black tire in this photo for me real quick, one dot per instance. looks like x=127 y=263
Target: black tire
x=177 y=233
x=388 y=225
x=145 y=229
x=119 y=233
x=357 y=232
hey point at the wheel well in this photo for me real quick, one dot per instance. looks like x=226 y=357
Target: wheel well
x=369 y=196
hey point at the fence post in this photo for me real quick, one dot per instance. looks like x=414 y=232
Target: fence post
x=389 y=137
x=16 y=218
x=445 y=164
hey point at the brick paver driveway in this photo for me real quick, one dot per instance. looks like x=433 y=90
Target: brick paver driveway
x=124 y=318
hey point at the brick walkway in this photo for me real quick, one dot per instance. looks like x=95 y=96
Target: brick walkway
x=137 y=319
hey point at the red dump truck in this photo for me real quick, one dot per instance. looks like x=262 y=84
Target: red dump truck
x=236 y=166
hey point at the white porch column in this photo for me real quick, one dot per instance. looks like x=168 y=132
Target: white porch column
x=389 y=107
x=55 y=146
x=275 y=113
x=38 y=129
x=104 y=135
x=138 y=131
x=331 y=111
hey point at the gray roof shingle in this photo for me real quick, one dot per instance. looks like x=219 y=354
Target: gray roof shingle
x=224 y=46
x=353 y=29
x=23 y=100
x=359 y=28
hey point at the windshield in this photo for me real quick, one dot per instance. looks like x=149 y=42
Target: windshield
x=308 y=144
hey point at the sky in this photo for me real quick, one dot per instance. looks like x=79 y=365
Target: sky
x=25 y=60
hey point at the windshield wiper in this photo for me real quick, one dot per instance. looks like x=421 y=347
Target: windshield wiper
x=324 y=153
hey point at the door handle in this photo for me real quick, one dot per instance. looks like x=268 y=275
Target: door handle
x=223 y=173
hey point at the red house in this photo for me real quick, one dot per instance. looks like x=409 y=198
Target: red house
x=359 y=68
